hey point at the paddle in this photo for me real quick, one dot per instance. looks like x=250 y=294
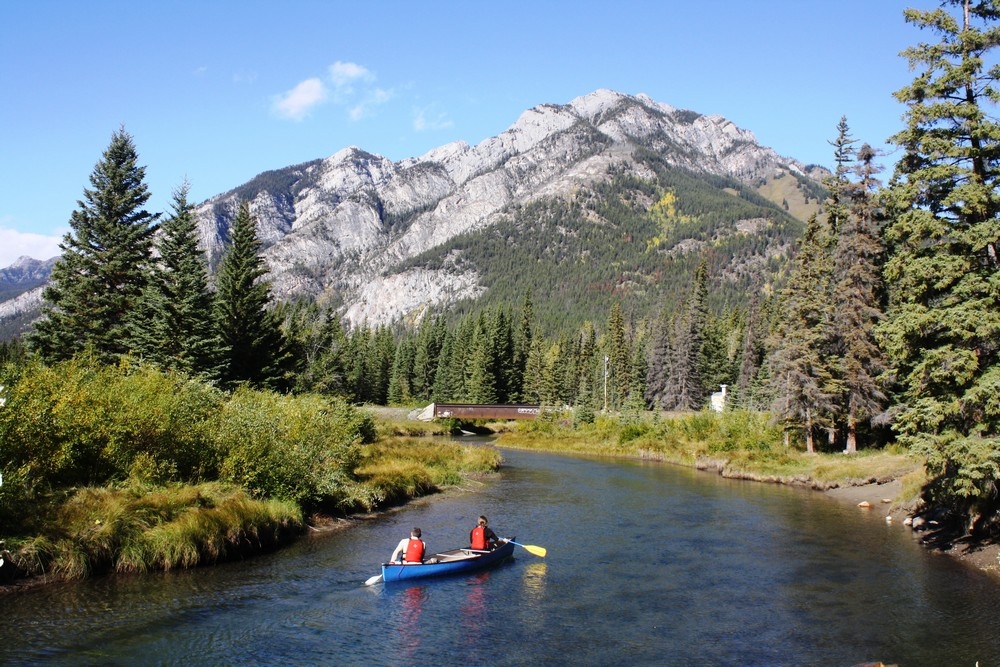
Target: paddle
x=371 y=581
x=532 y=549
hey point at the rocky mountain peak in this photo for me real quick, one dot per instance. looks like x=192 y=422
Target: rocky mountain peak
x=342 y=229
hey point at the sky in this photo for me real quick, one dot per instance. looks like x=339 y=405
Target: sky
x=214 y=92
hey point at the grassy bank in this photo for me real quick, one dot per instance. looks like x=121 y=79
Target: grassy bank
x=738 y=444
x=129 y=469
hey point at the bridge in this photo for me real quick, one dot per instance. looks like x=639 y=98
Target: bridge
x=478 y=411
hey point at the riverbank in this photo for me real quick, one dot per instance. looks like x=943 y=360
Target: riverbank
x=884 y=485
x=878 y=500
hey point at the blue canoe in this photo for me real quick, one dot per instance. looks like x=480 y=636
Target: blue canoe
x=448 y=562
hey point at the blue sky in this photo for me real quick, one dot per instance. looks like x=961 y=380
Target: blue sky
x=216 y=92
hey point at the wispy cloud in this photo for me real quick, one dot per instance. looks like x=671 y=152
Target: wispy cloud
x=429 y=118
x=373 y=98
x=299 y=101
x=347 y=84
x=345 y=75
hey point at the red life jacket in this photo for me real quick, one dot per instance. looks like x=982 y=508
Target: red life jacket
x=478 y=538
x=414 y=551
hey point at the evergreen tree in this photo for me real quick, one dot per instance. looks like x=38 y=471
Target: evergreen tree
x=105 y=261
x=173 y=324
x=619 y=355
x=804 y=387
x=378 y=363
x=684 y=388
x=839 y=185
x=659 y=368
x=442 y=388
x=400 y=377
x=522 y=345
x=858 y=295
x=481 y=376
x=942 y=332
x=316 y=338
x=430 y=340
x=360 y=384
x=535 y=372
x=751 y=356
x=250 y=330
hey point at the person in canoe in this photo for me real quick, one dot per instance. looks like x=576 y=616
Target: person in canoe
x=482 y=537
x=410 y=549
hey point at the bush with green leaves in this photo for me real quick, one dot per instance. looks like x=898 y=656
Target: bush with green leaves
x=78 y=423
x=299 y=448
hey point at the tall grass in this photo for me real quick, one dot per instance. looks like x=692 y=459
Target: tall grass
x=738 y=443
x=396 y=470
x=140 y=529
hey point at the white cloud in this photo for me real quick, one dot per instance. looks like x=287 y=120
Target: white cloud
x=344 y=74
x=428 y=118
x=348 y=85
x=15 y=244
x=299 y=101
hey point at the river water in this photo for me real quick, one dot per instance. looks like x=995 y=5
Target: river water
x=647 y=564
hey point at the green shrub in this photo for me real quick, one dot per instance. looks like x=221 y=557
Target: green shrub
x=298 y=448
x=79 y=423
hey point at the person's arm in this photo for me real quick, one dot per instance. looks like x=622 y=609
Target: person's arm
x=400 y=548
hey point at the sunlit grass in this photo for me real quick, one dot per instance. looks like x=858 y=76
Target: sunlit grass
x=739 y=444
x=398 y=469
x=141 y=529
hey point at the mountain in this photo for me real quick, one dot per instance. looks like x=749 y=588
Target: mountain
x=651 y=188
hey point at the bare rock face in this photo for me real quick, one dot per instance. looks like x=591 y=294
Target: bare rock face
x=340 y=226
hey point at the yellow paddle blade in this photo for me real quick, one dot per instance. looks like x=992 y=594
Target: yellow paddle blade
x=538 y=551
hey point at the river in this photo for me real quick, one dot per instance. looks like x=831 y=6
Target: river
x=648 y=564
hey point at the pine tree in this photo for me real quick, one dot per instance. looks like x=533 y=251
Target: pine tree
x=105 y=261
x=683 y=388
x=658 y=366
x=751 y=355
x=942 y=332
x=250 y=330
x=619 y=355
x=173 y=325
x=316 y=338
x=522 y=345
x=804 y=383
x=401 y=375
x=858 y=294
x=481 y=377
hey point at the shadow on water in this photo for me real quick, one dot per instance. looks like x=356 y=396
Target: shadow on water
x=647 y=565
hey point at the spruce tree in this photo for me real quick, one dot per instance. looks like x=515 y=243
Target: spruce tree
x=683 y=389
x=858 y=295
x=250 y=330
x=804 y=383
x=619 y=355
x=174 y=326
x=105 y=261
x=942 y=332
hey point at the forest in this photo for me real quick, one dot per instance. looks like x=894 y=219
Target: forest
x=883 y=328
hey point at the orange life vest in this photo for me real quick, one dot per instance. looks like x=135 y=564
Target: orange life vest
x=414 y=551
x=478 y=538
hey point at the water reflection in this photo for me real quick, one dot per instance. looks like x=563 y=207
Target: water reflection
x=474 y=608
x=411 y=606
x=533 y=581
